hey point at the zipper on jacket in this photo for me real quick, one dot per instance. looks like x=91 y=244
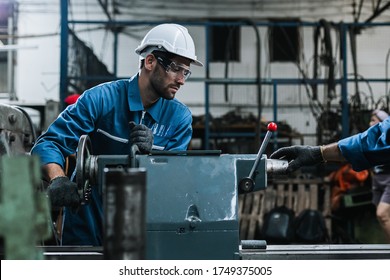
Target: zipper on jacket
x=142 y=116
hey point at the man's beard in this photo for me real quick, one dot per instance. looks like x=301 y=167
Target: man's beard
x=157 y=82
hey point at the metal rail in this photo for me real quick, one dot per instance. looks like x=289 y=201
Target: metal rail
x=271 y=252
x=319 y=252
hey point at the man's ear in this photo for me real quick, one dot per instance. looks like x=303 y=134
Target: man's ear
x=149 y=61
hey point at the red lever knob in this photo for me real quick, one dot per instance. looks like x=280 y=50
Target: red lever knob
x=272 y=126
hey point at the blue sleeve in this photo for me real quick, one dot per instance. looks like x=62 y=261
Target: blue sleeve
x=62 y=136
x=369 y=148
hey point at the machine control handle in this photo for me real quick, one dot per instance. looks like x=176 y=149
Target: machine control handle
x=247 y=184
x=270 y=128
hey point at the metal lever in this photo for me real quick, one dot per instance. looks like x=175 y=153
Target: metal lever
x=247 y=184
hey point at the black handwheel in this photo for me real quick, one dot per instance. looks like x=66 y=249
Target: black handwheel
x=84 y=151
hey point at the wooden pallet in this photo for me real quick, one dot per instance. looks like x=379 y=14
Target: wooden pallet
x=295 y=194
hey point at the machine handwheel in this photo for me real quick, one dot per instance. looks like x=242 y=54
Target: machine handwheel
x=84 y=151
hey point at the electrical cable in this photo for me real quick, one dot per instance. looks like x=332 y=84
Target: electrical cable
x=326 y=58
x=323 y=42
x=352 y=39
x=258 y=75
x=315 y=106
x=359 y=11
x=361 y=78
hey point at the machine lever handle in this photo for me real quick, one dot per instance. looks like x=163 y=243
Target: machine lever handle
x=247 y=184
x=270 y=129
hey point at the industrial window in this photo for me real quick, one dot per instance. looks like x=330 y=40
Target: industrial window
x=284 y=43
x=224 y=43
x=6 y=12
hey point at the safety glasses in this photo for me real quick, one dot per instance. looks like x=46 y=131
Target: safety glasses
x=171 y=66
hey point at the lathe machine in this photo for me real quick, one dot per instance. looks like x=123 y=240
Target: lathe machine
x=184 y=205
x=173 y=205
x=166 y=205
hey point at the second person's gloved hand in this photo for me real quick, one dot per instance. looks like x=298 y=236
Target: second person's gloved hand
x=298 y=156
x=142 y=136
x=63 y=192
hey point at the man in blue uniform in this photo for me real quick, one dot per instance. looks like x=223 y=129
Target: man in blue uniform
x=380 y=183
x=362 y=151
x=141 y=110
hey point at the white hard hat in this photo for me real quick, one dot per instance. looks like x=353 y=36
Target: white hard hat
x=170 y=37
x=380 y=114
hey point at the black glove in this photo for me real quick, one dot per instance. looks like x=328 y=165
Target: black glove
x=142 y=136
x=298 y=156
x=63 y=192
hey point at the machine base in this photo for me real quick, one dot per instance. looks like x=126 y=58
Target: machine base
x=272 y=252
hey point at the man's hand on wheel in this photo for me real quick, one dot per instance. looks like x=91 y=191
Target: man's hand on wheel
x=63 y=192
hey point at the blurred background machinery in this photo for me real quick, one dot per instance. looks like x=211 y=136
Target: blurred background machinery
x=17 y=131
x=24 y=208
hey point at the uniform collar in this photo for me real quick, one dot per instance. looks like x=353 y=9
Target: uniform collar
x=135 y=101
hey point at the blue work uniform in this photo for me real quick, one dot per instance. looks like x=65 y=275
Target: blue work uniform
x=369 y=148
x=104 y=112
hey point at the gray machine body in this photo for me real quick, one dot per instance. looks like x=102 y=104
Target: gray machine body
x=191 y=201
x=192 y=205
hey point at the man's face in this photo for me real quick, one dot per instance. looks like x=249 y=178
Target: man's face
x=169 y=75
x=374 y=120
